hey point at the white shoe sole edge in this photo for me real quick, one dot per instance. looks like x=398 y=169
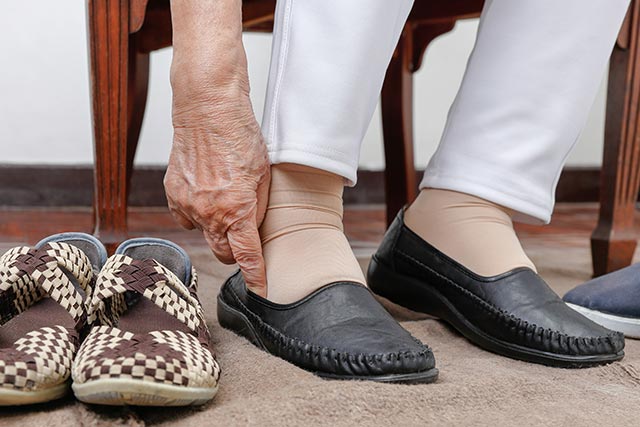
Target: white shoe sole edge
x=119 y=392
x=628 y=326
x=11 y=397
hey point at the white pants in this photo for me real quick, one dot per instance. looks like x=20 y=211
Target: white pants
x=525 y=97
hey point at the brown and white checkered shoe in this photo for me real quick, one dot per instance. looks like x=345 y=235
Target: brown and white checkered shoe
x=42 y=315
x=149 y=343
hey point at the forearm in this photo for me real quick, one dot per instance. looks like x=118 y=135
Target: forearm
x=209 y=61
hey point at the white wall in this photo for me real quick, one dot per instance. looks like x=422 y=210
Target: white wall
x=44 y=91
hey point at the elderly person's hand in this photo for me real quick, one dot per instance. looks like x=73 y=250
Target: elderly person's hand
x=218 y=174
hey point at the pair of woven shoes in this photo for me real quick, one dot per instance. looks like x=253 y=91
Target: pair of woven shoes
x=124 y=330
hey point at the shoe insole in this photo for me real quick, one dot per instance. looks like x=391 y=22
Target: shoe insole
x=45 y=312
x=144 y=315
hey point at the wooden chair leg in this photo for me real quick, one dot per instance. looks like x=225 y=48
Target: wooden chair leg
x=613 y=242
x=109 y=63
x=138 y=85
x=397 y=113
x=397 y=126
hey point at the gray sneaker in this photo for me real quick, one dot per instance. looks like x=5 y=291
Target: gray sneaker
x=612 y=300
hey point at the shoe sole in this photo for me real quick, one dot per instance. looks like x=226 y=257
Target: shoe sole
x=417 y=296
x=118 y=392
x=10 y=397
x=628 y=326
x=237 y=322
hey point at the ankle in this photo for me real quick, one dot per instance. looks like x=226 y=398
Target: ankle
x=475 y=232
x=300 y=196
x=303 y=243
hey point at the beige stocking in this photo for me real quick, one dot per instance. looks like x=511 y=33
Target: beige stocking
x=475 y=232
x=303 y=242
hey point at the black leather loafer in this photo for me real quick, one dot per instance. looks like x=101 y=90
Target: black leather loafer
x=515 y=314
x=340 y=331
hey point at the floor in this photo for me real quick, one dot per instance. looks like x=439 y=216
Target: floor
x=570 y=228
x=571 y=225
x=475 y=387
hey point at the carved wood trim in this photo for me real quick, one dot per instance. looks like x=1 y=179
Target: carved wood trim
x=137 y=12
x=423 y=35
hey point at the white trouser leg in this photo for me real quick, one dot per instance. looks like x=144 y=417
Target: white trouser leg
x=525 y=97
x=327 y=67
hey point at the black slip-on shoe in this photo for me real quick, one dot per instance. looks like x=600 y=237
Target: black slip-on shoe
x=514 y=314
x=339 y=331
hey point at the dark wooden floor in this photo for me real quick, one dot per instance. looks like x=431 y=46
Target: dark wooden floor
x=572 y=223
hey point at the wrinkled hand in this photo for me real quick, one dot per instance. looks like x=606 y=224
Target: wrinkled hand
x=218 y=174
x=218 y=177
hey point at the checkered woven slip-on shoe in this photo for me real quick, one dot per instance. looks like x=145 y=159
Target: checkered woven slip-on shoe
x=42 y=314
x=149 y=343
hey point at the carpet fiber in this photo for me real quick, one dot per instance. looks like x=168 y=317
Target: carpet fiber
x=475 y=387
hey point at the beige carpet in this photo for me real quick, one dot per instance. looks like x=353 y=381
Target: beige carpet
x=475 y=387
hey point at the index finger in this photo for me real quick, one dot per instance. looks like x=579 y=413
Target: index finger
x=246 y=248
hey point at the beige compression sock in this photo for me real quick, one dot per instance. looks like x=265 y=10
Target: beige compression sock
x=303 y=242
x=476 y=233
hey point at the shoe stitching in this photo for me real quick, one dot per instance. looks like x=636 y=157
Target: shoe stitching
x=297 y=344
x=521 y=325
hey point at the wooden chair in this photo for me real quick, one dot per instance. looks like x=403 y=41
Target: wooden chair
x=122 y=33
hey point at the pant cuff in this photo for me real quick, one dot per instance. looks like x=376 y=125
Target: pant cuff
x=318 y=161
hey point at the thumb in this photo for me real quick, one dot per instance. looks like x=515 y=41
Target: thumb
x=246 y=248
